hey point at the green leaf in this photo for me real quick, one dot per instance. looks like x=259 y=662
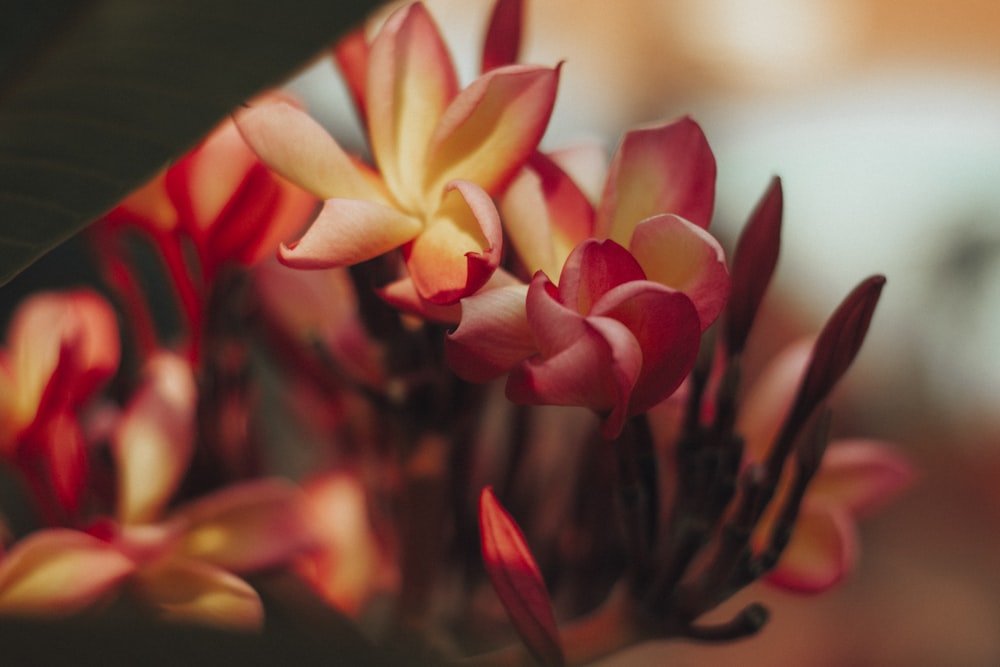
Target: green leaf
x=97 y=95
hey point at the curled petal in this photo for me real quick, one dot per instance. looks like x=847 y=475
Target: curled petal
x=411 y=80
x=860 y=475
x=491 y=128
x=58 y=571
x=545 y=214
x=191 y=591
x=517 y=580
x=403 y=294
x=295 y=146
x=679 y=254
x=593 y=268
x=349 y=231
x=493 y=334
x=822 y=551
x=503 y=35
x=661 y=169
x=666 y=326
x=461 y=247
x=155 y=438
x=246 y=527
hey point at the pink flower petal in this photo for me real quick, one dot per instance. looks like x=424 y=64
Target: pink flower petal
x=192 y=591
x=491 y=128
x=822 y=551
x=587 y=165
x=666 y=168
x=349 y=231
x=411 y=80
x=679 y=254
x=860 y=475
x=460 y=248
x=766 y=404
x=493 y=334
x=593 y=268
x=503 y=35
x=290 y=142
x=155 y=439
x=545 y=215
x=590 y=362
x=517 y=580
x=58 y=571
x=666 y=326
x=246 y=527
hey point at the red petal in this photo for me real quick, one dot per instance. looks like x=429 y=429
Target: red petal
x=662 y=169
x=593 y=268
x=822 y=551
x=503 y=35
x=517 y=580
x=753 y=265
x=666 y=326
x=351 y=54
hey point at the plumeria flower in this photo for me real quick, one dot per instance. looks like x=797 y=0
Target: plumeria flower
x=183 y=563
x=657 y=201
x=187 y=561
x=222 y=199
x=440 y=154
x=855 y=477
x=61 y=347
x=606 y=337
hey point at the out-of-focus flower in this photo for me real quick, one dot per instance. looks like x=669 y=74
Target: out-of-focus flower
x=187 y=561
x=183 y=563
x=348 y=564
x=604 y=338
x=60 y=348
x=440 y=153
x=223 y=199
x=855 y=477
x=657 y=201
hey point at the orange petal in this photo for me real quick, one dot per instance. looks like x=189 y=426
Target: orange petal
x=247 y=526
x=546 y=215
x=491 y=128
x=351 y=54
x=411 y=80
x=461 y=247
x=155 y=438
x=294 y=145
x=59 y=571
x=667 y=168
x=193 y=591
x=349 y=231
x=679 y=254
x=822 y=551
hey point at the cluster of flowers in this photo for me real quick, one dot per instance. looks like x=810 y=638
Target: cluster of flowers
x=461 y=254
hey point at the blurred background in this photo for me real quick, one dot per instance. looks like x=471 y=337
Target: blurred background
x=883 y=120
